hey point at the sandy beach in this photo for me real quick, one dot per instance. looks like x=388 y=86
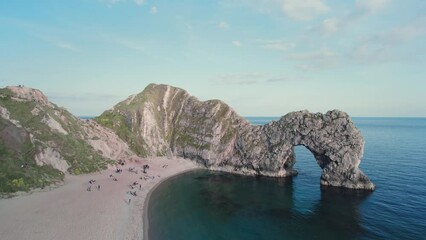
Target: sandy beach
x=72 y=211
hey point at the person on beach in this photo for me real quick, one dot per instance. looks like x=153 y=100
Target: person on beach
x=145 y=167
x=140 y=186
x=130 y=200
x=99 y=187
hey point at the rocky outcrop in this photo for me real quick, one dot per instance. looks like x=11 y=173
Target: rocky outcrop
x=164 y=120
x=40 y=141
x=333 y=139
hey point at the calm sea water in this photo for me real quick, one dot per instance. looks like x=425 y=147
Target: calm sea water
x=211 y=205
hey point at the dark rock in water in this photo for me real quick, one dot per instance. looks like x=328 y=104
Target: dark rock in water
x=164 y=120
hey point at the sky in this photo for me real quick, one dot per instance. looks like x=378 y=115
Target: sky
x=262 y=57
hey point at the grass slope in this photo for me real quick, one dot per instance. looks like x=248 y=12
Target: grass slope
x=18 y=168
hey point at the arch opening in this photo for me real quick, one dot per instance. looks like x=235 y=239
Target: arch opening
x=320 y=158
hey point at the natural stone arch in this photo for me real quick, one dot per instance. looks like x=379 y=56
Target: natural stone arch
x=164 y=120
x=332 y=138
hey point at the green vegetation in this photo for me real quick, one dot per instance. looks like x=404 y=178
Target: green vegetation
x=18 y=169
x=116 y=119
x=116 y=122
x=229 y=135
x=186 y=141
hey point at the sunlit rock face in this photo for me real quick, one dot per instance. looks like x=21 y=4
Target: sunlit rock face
x=164 y=120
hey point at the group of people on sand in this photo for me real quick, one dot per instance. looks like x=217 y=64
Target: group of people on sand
x=133 y=170
x=145 y=167
x=134 y=185
x=133 y=193
x=113 y=178
x=92 y=181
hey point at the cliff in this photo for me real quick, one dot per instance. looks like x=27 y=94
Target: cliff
x=164 y=120
x=40 y=142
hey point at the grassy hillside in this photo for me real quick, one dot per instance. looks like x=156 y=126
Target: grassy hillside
x=34 y=126
x=18 y=169
x=120 y=118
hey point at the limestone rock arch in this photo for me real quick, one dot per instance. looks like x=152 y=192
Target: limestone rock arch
x=332 y=138
x=165 y=120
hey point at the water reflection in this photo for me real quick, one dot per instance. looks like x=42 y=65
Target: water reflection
x=228 y=206
x=336 y=215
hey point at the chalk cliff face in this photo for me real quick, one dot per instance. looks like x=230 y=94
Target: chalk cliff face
x=164 y=120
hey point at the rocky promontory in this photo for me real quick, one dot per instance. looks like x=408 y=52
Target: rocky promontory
x=41 y=142
x=165 y=120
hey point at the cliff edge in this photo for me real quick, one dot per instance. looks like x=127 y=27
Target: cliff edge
x=165 y=120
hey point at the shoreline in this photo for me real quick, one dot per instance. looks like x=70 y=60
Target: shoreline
x=148 y=196
x=82 y=210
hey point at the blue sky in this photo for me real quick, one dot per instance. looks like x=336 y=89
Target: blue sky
x=262 y=57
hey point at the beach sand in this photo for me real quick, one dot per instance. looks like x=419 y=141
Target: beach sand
x=72 y=212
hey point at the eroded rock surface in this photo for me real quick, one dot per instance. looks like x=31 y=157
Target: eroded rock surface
x=164 y=120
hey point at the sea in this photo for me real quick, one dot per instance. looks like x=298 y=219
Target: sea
x=206 y=205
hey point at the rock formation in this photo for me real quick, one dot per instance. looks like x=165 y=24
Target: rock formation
x=40 y=142
x=164 y=120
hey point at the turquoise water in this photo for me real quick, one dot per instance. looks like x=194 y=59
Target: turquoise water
x=211 y=205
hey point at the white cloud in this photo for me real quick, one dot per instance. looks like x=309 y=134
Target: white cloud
x=240 y=79
x=139 y=2
x=130 y=44
x=303 y=67
x=404 y=33
x=322 y=58
x=223 y=25
x=330 y=25
x=295 y=9
x=275 y=44
x=278 y=79
x=236 y=43
x=323 y=53
x=248 y=79
x=384 y=46
x=125 y=42
x=304 y=9
x=110 y=3
x=57 y=42
x=362 y=9
x=66 y=46
x=153 y=10
x=372 y=6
